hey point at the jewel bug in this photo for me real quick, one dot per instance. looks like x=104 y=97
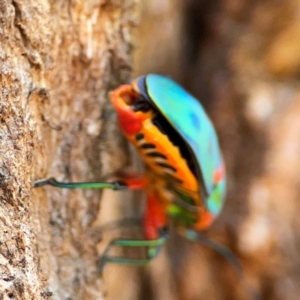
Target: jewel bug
x=185 y=176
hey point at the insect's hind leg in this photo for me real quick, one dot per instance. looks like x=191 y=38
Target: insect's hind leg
x=155 y=236
x=152 y=247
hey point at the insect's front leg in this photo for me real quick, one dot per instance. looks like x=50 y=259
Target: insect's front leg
x=126 y=183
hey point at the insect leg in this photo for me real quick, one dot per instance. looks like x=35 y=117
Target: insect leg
x=155 y=237
x=132 y=183
x=150 y=244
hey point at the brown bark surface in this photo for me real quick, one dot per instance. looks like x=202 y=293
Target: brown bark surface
x=58 y=61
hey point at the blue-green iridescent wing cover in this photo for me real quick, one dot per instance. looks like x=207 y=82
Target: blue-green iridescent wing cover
x=187 y=116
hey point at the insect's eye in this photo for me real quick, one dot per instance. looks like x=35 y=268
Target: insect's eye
x=141 y=104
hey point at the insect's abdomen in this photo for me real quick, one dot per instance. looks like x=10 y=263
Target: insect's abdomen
x=162 y=157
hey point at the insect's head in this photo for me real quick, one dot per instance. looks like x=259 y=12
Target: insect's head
x=132 y=108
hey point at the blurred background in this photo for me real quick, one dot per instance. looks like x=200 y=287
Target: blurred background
x=241 y=59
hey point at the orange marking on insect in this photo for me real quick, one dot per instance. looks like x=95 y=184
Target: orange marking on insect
x=219 y=174
x=163 y=145
x=205 y=221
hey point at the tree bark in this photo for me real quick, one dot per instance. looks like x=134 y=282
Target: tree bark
x=58 y=61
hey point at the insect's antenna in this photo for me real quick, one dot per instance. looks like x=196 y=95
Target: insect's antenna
x=221 y=249
x=227 y=254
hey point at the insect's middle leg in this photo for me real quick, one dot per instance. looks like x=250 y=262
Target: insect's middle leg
x=154 y=232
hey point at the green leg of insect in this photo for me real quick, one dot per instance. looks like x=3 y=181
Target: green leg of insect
x=117 y=185
x=153 y=246
x=132 y=182
x=152 y=251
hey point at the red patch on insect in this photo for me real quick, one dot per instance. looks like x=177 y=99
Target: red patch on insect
x=136 y=182
x=219 y=174
x=130 y=121
x=154 y=218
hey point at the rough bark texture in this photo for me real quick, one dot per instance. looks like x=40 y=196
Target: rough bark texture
x=58 y=60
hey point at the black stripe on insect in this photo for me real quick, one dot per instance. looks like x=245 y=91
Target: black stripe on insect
x=139 y=136
x=156 y=154
x=147 y=146
x=166 y=166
